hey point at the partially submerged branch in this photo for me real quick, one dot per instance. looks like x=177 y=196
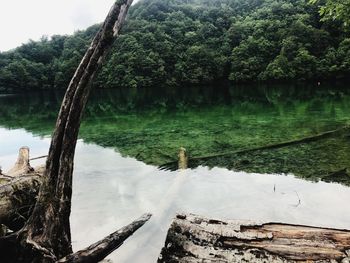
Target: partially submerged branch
x=104 y=247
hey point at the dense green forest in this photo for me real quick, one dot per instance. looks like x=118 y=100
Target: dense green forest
x=186 y=42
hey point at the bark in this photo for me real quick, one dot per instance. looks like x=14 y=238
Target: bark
x=48 y=228
x=46 y=236
x=104 y=247
x=17 y=199
x=196 y=239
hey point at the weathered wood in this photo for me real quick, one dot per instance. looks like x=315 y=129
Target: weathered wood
x=18 y=191
x=17 y=199
x=104 y=247
x=22 y=165
x=196 y=239
x=183 y=159
x=46 y=236
x=48 y=229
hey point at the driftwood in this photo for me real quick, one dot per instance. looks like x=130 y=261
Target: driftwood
x=196 y=239
x=18 y=191
x=104 y=247
x=17 y=199
x=46 y=236
x=173 y=165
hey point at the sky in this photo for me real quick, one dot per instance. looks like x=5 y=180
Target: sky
x=21 y=20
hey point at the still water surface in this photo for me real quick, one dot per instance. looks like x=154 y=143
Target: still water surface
x=152 y=124
x=109 y=191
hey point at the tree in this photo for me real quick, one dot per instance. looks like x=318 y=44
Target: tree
x=46 y=235
x=334 y=10
x=161 y=40
x=278 y=69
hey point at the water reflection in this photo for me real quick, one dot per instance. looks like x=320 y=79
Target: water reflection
x=151 y=125
x=109 y=191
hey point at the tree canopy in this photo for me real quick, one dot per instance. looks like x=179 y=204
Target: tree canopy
x=334 y=10
x=192 y=42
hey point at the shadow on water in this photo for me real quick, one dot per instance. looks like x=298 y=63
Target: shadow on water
x=151 y=125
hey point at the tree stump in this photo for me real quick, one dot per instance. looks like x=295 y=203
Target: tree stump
x=22 y=165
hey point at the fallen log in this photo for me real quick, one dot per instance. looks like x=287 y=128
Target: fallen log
x=196 y=239
x=173 y=165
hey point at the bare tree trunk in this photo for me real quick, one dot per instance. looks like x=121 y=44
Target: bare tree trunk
x=46 y=236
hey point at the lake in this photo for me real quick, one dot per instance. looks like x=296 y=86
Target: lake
x=126 y=134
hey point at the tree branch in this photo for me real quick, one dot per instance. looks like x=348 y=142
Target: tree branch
x=104 y=247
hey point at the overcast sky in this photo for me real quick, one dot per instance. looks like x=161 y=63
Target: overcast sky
x=21 y=20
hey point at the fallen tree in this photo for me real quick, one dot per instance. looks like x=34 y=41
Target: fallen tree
x=173 y=165
x=46 y=236
x=197 y=239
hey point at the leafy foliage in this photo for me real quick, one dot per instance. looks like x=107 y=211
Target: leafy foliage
x=180 y=42
x=335 y=10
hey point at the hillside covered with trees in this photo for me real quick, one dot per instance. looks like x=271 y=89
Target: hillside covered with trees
x=186 y=42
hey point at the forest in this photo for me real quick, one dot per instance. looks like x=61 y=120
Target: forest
x=226 y=108
x=195 y=42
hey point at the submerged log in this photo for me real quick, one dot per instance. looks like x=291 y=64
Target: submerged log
x=196 y=239
x=324 y=135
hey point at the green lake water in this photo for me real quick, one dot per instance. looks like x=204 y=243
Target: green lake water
x=152 y=124
x=126 y=134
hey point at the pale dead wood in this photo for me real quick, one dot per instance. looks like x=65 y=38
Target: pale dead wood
x=22 y=165
x=196 y=239
x=18 y=191
x=17 y=199
x=183 y=159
